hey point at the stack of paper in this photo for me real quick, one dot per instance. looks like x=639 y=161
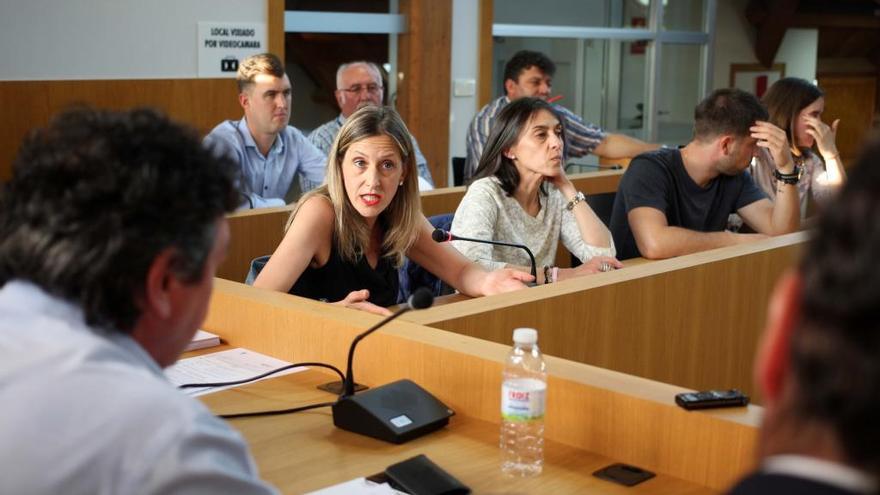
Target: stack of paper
x=223 y=366
x=203 y=339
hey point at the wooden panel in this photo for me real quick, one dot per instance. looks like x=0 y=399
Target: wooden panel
x=595 y=410
x=852 y=100
x=424 y=57
x=201 y=103
x=275 y=27
x=252 y=233
x=692 y=321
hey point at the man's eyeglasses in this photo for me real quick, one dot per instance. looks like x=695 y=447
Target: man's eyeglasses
x=357 y=88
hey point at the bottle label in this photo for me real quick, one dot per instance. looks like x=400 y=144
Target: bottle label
x=523 y=399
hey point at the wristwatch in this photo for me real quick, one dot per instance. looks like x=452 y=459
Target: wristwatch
x=575 y=200
x=792 y=178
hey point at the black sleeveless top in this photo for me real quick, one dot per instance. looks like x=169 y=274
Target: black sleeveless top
x=333 y=281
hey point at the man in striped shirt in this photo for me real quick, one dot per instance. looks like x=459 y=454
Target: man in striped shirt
x=530 y=73
x=359 y=84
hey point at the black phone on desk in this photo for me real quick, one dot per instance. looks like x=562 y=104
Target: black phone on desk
x=711 y=398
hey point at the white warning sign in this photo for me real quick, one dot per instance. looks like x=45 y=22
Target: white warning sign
x=222 y=45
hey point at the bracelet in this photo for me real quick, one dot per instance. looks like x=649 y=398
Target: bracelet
x=547 y=279
x=555 y=274
x=575 y=200
x=791 y=178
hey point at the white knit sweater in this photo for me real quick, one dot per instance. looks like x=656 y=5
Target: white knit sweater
x=486 y=212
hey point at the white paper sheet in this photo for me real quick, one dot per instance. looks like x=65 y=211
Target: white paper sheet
x=358 y=486
x=223 y=366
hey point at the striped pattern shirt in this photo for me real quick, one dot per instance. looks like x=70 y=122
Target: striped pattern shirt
x=580 y=137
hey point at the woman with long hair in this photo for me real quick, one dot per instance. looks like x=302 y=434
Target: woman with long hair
x=796 y=105
x=521 y=194
x=346 y=239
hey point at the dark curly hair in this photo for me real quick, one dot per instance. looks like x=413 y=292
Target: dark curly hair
x=97 y=195
x=835 y=350
x=727 y=111
x=524 y=59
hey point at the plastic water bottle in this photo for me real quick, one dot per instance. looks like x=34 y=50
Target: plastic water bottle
x=523 y=397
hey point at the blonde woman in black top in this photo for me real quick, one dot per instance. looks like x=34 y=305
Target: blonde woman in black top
x=345 y=238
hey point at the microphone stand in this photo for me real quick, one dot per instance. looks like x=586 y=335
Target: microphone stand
x=449 y=236
x=348 y=386
x=395 y=412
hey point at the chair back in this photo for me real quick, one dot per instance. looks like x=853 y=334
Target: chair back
x=257 y=265
x=412 y=275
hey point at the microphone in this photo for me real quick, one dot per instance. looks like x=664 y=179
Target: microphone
x=440 y=235
x=420 y=299
x=396 y=412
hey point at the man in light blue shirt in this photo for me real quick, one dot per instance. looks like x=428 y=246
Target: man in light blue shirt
x=111 y=230
x=269 y=151
x=359 y=84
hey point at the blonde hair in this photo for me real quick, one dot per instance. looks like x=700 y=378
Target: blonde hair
x=251 y=67
x=401 y=220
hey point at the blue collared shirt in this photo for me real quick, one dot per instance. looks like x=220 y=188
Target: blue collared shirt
x=323 y=137
x=265 y=180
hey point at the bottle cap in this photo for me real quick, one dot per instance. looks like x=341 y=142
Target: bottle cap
x=528 y=336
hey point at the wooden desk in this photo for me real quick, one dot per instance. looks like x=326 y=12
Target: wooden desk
x=304 y=451
x=593 y=415
x=258 y=232
x=692 y=320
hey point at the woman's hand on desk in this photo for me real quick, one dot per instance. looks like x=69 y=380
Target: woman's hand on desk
x=504 y=280
x=594 y=265
x=358 y=300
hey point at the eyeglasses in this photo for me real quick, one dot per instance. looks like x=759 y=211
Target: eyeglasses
x=357 y=88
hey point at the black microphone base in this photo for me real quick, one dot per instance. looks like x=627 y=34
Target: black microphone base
x=397 y=412
x=338 y=386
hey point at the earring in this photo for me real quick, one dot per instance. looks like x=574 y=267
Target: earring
x=400 y=184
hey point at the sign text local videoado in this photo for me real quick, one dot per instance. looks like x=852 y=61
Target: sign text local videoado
x=222 y=46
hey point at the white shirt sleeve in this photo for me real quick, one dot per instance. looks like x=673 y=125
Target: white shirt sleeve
x=476 y=217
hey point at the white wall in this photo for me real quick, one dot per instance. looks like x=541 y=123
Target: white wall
x=465 y=66
x=735 y=42
x=109 y=39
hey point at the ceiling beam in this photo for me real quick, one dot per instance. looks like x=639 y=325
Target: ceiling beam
x=772 y=20
x=814 y=20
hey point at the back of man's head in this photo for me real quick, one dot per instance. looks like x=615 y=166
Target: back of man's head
x=727 y=111
x=97 y=195
x=524 y=59
x=835 y=345
x=251 y=67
